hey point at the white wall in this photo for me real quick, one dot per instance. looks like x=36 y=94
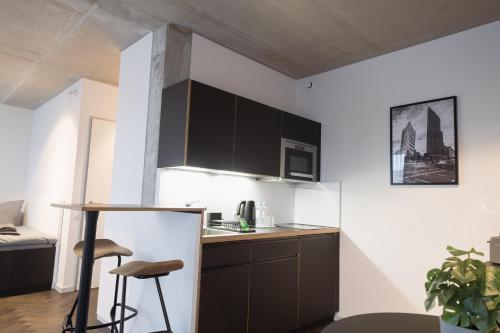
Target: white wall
x=221 y=193
x=52 y=162
x=52 y=158
x=220 y=67
x=131 y=120
x=393 y=235
x=15 y=135
x=57 y=164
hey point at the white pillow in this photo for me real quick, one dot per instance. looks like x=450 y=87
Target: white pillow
x=10 y=212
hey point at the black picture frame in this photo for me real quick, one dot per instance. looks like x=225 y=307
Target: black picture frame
x=437 y=164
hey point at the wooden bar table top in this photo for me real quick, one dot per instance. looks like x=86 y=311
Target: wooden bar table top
x=97 y=207
x=91 y=216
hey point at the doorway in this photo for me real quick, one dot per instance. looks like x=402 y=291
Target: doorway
x=99 y=174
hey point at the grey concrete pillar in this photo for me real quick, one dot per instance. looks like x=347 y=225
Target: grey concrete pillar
x=170 y=63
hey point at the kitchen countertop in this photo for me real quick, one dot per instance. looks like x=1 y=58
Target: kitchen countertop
x=265 y=233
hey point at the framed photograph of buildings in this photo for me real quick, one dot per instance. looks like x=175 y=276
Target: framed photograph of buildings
x=424 y=148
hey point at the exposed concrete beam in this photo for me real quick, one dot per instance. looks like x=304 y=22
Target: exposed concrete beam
x=170 y=63
x=178 y=55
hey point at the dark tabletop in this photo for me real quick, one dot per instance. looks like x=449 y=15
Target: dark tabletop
x=385 y=323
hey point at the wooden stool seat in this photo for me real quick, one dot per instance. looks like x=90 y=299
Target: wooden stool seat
x=143 y=269
x=103 y=248
x=146 y=270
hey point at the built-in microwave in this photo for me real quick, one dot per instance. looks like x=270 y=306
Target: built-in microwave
x=298 y=160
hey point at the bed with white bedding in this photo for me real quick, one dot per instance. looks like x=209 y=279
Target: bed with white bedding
x=28 y=238
x=26 y=262
x=26 y=255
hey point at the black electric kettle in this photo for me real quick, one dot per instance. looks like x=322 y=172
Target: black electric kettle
x=240 y=209
x=249 y=213
x=246 y=210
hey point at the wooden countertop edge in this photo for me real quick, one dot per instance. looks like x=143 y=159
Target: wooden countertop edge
x=126 y=208
x=209 y=239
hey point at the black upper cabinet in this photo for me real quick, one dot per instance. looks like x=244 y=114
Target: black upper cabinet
x=202 y=126
x=301 y=129
x=197 y=127
x=211 y=127
x=173 y=124
x=257 y=138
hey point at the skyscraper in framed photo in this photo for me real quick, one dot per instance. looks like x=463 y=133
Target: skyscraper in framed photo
x=424 y=147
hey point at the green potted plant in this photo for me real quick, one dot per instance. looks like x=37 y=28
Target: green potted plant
x=469 y=292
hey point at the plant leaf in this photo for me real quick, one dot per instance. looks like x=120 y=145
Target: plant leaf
x=448 y=264
x=449 y=293
x=465 y=320
x=430 y=300
x=475 y=305
x=457 y=259
x=486 y=324
x=451 y=314
x=456 y=252
x=473 y=251
x=432 y=274
x=491 y=286
x=463 y=275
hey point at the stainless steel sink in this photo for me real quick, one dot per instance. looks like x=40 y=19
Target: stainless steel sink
x=210 y=232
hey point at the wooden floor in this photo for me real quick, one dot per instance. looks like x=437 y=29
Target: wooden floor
x=40 y=312
x=44 y=312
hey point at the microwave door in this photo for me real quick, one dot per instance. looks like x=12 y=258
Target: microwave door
x=299 y=164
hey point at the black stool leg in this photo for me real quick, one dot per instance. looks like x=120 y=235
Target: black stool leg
x=124 y=294
x=68 y=322
x=113 y=309
x=163 y=308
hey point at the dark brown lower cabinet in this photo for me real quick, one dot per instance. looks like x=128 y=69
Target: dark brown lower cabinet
x=224 y=300
x=272 y=286
x=319 y=276
x=273 y=296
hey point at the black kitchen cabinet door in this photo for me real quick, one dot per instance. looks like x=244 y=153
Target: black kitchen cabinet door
x=273 y=296
x=319 y=278
x=224 y=300
x=211 y=127
x=257 y=138
x=301 y=129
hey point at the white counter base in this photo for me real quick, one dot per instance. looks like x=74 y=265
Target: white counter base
x=155 y=236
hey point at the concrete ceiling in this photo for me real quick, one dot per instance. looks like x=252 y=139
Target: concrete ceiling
x=45 y=45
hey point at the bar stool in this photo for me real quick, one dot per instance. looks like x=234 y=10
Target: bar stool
x=103 y=248
x=146 y=270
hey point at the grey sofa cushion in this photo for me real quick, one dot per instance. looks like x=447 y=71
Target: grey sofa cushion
x=10 y=212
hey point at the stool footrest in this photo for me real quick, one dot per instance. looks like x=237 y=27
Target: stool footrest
x=68 y=327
